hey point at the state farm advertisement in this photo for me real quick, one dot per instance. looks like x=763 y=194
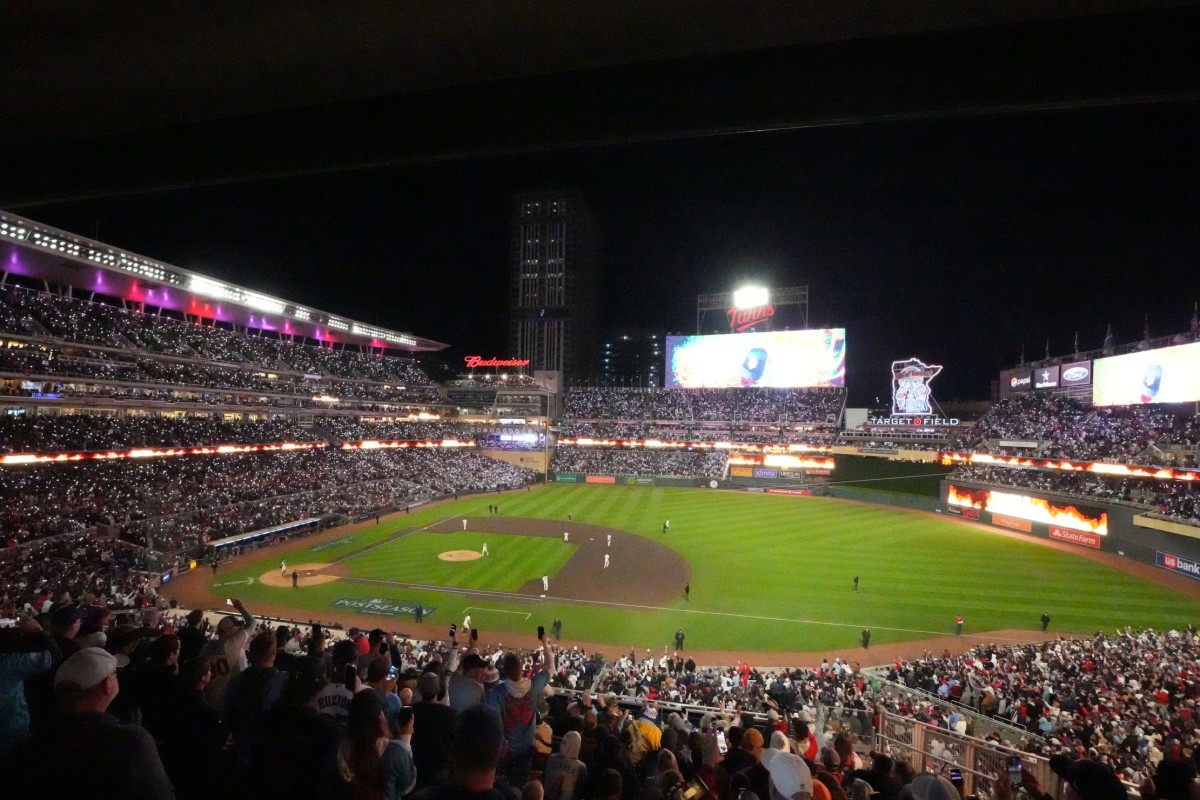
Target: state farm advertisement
x=1075 y=537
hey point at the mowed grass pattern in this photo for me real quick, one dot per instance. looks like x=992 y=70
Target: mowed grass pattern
x=772 y=573
x=511 y=561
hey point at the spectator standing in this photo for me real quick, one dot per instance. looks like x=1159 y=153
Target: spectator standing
x=228 y=653
x=565 y=774
x=251 y=693
x=188 y=731
x=107 y=759
x=192 y=638
x=24 y=653
x=465 y=688
x=433 y=732
x=958 y=625
x=478 y=743
x=369 y=760
x=866 y=638
x=1045 y=620
x=516 y=698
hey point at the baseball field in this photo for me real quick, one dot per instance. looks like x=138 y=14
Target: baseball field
x=766 y=573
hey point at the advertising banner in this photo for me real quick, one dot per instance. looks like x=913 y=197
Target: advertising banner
x=1074 y=537
x=600 y=479
x=1184 y=566
x=1165 y=375
x=778 y=359
x=566 y=477
x=1005 y=521
x=741 y=472
x=795 y=492
x=1077 y=373
x=764 y=472
x=1033 y=509
x=1046 y=377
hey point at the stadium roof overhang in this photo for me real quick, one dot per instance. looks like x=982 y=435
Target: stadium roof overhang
x=42 y=252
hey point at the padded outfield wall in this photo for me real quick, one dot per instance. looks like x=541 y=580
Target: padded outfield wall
x=1076 y=522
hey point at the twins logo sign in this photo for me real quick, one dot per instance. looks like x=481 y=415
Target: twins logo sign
x=911 y=394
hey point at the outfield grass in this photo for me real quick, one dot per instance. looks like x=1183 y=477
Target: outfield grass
x=768 y=573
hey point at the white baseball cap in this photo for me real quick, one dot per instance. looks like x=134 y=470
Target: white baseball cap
x=88 y=667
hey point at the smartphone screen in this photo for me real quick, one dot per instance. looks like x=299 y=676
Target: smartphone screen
x=392 y=673
x=1014 y=770
x=453 y=629
x=228 y=602
x=956 y=778
x=722 y=747
x=541 y=632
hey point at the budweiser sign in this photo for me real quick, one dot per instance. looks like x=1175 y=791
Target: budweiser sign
x=480 y=361
x=743 y=319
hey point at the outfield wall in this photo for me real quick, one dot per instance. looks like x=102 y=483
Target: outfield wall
x=629 y=480
x=1174 y=547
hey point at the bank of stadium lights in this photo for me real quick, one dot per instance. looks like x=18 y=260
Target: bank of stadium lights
x=104 y=257
x=302 y=314
x=144 y=269
x=380 y=333
x=751 y=297
x=338 y=324
x=56 y=243
x=13 y=231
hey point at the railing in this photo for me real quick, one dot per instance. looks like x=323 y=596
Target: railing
x=977 y=724
x=980 y=761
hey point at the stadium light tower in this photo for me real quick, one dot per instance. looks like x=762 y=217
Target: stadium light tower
x=751 y=297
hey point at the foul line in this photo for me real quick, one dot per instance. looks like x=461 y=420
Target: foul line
x=496 y=610
x=526 y=598
x=390 y=539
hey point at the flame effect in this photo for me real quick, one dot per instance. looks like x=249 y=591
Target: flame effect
x=585 y=441
x=146 y=452
x=1097 y=467
x=1034 y=509
x=372 y=444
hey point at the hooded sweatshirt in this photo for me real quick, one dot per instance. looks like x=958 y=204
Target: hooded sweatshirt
x=517 y=701
x=565 y=774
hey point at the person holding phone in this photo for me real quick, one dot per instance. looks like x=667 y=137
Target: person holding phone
x=373 y=762
x=516 y=698
x=381 y=678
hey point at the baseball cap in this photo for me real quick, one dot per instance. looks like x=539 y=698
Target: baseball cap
x=66 y=616
x=789 y=773
x=473 y=661
x=88 y=667
x=228 y=622
x=1093 y=781
x=429 y=684
x=928 y=786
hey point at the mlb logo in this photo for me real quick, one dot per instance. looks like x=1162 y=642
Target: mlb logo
x=1170 y=561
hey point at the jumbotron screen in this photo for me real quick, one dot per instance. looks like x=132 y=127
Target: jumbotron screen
x=1165 y=375
x=773 y=359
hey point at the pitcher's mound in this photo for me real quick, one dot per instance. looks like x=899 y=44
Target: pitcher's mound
x=310 y=575
x=460 y=555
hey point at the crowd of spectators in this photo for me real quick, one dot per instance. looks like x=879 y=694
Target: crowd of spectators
x=191 y=499
x=743 y=433
x=92 y=342
x=820 y=406
x=1175 y=499
x=175 y=706
x=1062 y=427
x=1127 y=700
x=647 y=463
x=33 y=313
x=65 y=433
x=354 y=429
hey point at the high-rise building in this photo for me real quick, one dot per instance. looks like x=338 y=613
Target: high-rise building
x=554 y=308
x=632 y=358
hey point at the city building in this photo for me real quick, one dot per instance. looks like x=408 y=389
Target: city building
x=553 y=305
x=630 y=358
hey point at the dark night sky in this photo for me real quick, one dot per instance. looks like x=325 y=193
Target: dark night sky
x=958 y=240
